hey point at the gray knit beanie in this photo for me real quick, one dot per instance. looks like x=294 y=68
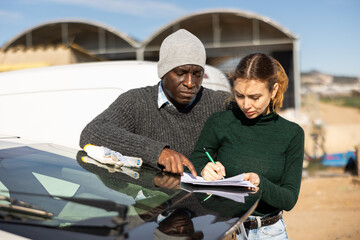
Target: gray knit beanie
x=180 y=48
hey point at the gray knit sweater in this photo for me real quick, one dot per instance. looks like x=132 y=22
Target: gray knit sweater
x=134 y=125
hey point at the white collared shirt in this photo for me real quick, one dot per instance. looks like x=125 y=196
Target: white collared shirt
x=164 y=101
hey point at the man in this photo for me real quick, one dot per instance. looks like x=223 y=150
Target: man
x=161 y=123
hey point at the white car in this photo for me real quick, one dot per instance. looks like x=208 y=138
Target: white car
x=53 y=104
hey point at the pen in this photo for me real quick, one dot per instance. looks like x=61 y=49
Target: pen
x=206 y=198
x=210 y=158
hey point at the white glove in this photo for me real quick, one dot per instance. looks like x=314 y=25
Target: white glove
x=107 y=156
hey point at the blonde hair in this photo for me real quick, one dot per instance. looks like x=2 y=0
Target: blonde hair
x=283 y=82
x=259 y=66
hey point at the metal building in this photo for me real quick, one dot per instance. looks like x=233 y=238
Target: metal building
x=98 y=39
x=227 y=34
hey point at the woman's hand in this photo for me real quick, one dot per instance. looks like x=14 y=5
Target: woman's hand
x=253 y=178
x=212 y=172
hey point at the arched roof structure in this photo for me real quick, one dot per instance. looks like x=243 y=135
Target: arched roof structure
x=98 y=39
x=226 y=29
x=230 y=34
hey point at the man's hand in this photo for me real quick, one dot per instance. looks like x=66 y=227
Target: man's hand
x=173 y=162
x=167 y=180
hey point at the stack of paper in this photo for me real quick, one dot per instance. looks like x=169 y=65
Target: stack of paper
x=237 y=180
x=224 y=188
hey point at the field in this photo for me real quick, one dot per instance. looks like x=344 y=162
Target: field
x=344 y=101
x=329 y=201
x=328 y=208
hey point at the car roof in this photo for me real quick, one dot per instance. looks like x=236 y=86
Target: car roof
x=54 y=104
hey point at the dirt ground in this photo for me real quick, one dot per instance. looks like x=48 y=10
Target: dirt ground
x=328 y=208
x=329 y=201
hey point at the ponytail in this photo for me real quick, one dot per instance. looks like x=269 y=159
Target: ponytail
x=282 y=81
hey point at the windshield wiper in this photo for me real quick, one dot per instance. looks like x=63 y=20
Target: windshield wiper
x=107 y=205
x=23 y=208
x=119 y=220
x=20 y=207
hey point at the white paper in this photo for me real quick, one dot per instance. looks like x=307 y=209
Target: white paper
x=235 y=196
x=237 y=180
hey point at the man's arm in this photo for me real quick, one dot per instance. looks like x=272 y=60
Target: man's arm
x=114 y=128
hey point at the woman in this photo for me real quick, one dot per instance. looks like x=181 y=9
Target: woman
x=253 y=139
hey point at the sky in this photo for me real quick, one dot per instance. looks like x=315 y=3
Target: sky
x=328 y=30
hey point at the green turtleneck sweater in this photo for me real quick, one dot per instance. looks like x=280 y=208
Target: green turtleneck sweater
x=268 y=145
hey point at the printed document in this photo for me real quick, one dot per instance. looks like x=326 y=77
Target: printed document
x=237 y=180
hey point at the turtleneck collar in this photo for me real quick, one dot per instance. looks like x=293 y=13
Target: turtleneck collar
x=254 y=121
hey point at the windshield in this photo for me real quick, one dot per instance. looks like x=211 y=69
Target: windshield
x=51 y=188
x=49 y=177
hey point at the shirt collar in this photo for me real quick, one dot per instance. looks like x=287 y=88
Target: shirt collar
x=163 y=101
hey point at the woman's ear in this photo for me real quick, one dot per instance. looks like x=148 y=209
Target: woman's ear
x=274 y=91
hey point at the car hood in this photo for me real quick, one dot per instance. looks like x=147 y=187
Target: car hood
x=72 y=194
